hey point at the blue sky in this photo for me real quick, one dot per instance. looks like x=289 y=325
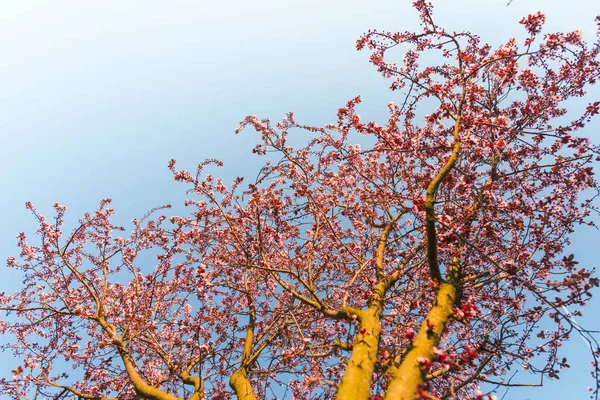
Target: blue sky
x=97 y=96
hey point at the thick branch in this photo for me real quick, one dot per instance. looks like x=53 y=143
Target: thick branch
x=79 y=393
x=241 y=385
x=409 y=376
x=141 y=386
x=434 y=267
x=356 y=382
x=383 y=239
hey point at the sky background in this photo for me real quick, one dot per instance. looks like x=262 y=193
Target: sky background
x=97 y=96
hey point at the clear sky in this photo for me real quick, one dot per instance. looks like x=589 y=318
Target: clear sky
x=97 y=96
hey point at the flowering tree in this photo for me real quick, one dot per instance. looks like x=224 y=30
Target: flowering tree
x=421 y=263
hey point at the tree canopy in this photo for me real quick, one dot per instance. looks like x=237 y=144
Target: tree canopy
x=422 y=258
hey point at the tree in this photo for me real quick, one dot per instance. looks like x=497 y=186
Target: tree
x=400 y=261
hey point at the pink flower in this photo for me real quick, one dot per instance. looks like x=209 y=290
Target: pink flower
x=424 y=362
x=533 y=22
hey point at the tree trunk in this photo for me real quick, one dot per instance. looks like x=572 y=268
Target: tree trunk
x=241 y=385
x=356 y=382
x=409 y=376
